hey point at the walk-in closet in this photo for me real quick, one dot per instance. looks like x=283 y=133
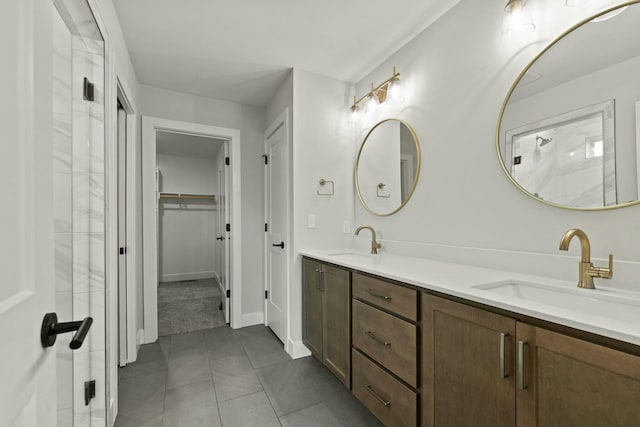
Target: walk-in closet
x=191 y=233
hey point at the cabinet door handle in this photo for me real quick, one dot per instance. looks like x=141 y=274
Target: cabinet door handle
x=379 y=340
x=376 y=395
x=317 y=279
x=503 y=337
x=521 y=384
x=321 y=280
x=377 y=295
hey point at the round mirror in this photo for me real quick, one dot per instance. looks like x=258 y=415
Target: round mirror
x=387 y=167
x=569 y=130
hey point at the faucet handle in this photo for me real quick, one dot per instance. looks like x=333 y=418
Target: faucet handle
x=607 y=273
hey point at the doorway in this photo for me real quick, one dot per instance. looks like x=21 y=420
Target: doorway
x=191 y=172
x=157 y=185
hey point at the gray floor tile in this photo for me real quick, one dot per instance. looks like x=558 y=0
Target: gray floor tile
x=133 y=421
x=234 y=376
x=253 y=410
x=223 y=342
x=264 y=350
x=186 y=341
x=193 y=405
x=141 y=399
x=152 y=358
x=298 y=384
x=187 y=366
x=349 y=411
x=314 y=416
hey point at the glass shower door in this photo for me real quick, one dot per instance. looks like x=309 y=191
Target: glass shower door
x=78 y=176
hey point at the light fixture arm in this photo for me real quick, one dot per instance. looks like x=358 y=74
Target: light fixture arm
x=379 y=91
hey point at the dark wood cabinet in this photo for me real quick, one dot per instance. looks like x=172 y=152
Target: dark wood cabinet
x=565 y=381
x=327 y=316
x=482 y=368
x=467 y=366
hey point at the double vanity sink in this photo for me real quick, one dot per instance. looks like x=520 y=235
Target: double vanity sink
x=611 y=313
x=414 y=337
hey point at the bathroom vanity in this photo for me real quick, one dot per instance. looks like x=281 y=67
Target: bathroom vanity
x=435 y=344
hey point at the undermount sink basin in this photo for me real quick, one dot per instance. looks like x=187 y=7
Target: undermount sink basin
x=599 y=302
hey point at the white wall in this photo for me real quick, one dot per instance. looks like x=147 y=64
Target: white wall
x=456 y=74
x=187 y=227
x=322 y=148
x=250 y=121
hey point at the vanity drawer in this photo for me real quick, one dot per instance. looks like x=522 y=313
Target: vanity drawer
x=400 y=300
x=387 y=398
x=387 y=339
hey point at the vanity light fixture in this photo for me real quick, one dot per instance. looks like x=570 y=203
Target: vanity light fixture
x=518 y=19
x=387 y=90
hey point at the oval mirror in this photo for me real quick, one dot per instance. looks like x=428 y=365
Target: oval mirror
x=387 y=167
x=569 y=130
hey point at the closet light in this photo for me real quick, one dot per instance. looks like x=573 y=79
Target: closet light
x=518 y=19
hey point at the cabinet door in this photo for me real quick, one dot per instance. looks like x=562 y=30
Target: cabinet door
x=335 y=285
x=570 y=382
x=468 y=369
x=312 y=315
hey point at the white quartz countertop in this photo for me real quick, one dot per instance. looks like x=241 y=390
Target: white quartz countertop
x=460 y=280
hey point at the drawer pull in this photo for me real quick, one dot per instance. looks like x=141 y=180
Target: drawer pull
x=375 y=338
x=377 y=295
x=376 y=395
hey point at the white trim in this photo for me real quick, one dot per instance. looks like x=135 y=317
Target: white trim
x=140 y=337
x=250 y=319
x=150 y=256
x=297 y=349
x=637 y=149
x=190 y=275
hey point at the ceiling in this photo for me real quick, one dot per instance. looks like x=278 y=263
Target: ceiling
x=242 y=50
x=183 y=145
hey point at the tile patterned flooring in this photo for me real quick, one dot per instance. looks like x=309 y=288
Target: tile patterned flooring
x=232 y=378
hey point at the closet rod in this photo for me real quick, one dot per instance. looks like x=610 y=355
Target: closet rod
x=187 y=196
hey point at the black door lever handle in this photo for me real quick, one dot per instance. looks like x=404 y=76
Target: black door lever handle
x=220 y=238
x=51 y=328
x=279 y=245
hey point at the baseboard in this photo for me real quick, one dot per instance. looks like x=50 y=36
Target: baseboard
x=250 y=319
x=297 y=349
x=195 y=275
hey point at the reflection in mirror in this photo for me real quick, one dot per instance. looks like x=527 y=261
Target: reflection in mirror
x=568 y=134
x=387 y=167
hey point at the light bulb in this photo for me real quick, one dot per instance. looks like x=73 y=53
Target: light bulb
x=518 y=19
x=372 y=103
x=355 y=115
x=394 y=91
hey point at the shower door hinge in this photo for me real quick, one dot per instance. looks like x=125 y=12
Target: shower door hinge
x=89 y=391
x=228 y=293
x=227 y=161
x=88 y=90
x=266 y=294
x=228 y=228
x=266 y=159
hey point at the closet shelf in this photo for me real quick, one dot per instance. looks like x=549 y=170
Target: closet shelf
x=187 y=196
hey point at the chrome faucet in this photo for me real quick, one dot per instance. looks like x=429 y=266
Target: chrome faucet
x=375 y=245
x=586 y=269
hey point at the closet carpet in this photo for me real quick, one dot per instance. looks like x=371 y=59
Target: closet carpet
x=189 y=306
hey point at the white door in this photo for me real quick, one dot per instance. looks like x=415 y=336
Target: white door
x=276 y=235
x=122 y=236
x=222 y=237
x=27 y=371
